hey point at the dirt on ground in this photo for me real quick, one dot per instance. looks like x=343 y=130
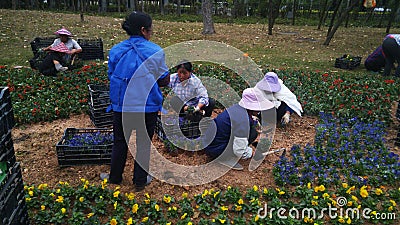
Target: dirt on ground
x=35 y=147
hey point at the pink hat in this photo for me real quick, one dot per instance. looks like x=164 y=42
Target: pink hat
x=253 y=100
x=269 y=83
x=63 y=31
x=60 y=48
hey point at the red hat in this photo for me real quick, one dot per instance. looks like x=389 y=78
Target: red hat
x=60 y=48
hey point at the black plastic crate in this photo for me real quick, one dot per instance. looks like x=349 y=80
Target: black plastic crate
x=172 y=127
x=101 y=121
x=99 y=95
x=82 y=151
x=41 y=42
x=92 y=49
x=7 y=121
x=7 y=156
x=12 y=195
x=19 y=216
x=348 y=62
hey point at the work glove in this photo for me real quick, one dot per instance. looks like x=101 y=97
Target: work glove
x=285 y=119
x=196 y=109
x=248 y=153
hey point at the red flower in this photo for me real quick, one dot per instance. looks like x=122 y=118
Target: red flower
x=389 y=81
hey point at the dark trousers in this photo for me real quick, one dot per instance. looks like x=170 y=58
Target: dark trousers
x=177 y=104
x=47 y=67
x=123 y=124
x=392 y=54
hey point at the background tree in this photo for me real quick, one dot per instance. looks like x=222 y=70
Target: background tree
x=208 y=24
x=343 y=15
x=273 y=13
x=395 y=8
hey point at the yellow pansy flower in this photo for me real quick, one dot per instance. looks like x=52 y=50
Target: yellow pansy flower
x=325 y=195
x=255 y=188
x=350 y=203
x=184 y=195
x=135 y=208
x=315 y=197
x=222 y=221
x=281 y=193
x=115 y=205
x=58 y=190
x=63 y=210
x=189 y=223
x=42 y=207
x=238 y=208
x=265 y=191
x=147 y=195
x=183 y=216
x=113 y=221
x=354 y=198
x=390 y=208
x=167 y=199
x=393 y=202
x=363 y=192
x=116 y=194
x=256 y=218
x=314 y=202
x=378 y=191
x=157 y=207
x=30 y=193
x=42 y=186
x=348 y=221
x=216 y=194
x=224 y=208
x=309 y=185
x=345 y=185
x=147 y=201
x=144 y=220
x=89 y=215
x=240 y=202
x=341 y=220
x=81 y=199
x=60 y=199
x=129 y=221
x=130 y=196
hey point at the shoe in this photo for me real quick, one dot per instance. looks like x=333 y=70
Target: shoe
x=139 y=188
x=107 y=176
x=104 y=176
x=232 y=165
x=62 y=69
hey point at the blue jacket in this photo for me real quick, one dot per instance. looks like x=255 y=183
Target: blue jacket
x=233 y=122
x=134 y=66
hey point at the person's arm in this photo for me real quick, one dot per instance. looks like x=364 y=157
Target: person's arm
x=241 y=148
x=163 y=82
x=388 y=66
x=202 y=94
x=76 y=47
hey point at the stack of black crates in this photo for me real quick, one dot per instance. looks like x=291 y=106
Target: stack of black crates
x=348 y=62
x=13 y=209
x=99 y=100
x=397 y=142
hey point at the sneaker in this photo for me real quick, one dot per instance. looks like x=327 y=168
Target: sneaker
x=232 y=165
x=64 y=68
x=107 y=176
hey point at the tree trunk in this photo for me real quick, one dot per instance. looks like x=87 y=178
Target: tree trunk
x=339 y=21
x=14 y=4
x=294 y=12
x=208 y=24
x=382 y=17
x=338 y=3
x=178 y=8
x=392 y=16
x=273 y=13
x=162 y=8
x=322 y=14
x=82 y=10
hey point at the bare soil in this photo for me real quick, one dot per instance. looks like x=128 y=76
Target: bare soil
x=35 y=149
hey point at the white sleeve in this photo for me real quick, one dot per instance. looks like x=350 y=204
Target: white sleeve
x=241 y=148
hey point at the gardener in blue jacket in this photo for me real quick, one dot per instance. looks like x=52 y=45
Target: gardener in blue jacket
x=136 y=70
x=228 y=141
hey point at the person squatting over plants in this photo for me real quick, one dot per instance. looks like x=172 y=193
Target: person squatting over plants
x=191 y=95
x=376 y=60
x=136 y=70
x=391 y=50
x=273 y=89
x=52 y=63
x=235 y=130
x=64 y=37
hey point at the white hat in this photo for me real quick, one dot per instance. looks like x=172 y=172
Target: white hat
x=253 y=100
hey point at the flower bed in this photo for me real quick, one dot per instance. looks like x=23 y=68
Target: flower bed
x=85 y=146
x=97 y=204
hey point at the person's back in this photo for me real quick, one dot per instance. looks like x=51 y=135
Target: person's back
x=376 y=60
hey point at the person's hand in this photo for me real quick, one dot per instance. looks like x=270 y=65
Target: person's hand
x=196 y=109
x=285 y=119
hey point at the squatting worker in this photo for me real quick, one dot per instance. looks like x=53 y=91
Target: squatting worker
x=136 y=70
